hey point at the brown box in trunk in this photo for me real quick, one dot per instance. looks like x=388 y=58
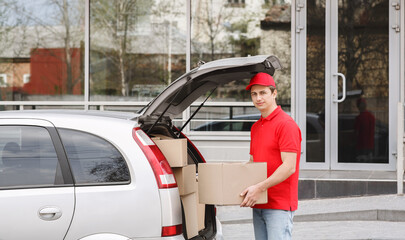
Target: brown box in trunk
x=190 y=213
x=175 y=150
x=186 y=179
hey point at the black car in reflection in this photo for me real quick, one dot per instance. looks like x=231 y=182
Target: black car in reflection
x=315 y=136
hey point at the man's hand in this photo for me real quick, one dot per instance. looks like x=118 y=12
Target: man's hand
x=285 y=170
x=251 y=194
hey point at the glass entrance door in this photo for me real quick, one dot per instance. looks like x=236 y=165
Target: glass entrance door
x=315 y=85
x=347 y=84
x=361 y=81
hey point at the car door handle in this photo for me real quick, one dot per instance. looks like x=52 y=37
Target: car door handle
x=49 y=213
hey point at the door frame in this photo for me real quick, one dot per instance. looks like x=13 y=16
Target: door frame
x=331 y=68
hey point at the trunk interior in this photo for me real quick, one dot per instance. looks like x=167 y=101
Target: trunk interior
x=193 y=157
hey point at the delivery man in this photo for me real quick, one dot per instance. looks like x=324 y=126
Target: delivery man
x=276 y=140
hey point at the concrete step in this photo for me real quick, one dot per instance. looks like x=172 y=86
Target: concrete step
x=338 y=230
x=366 y=215
x=332 y=184
x=367 y=208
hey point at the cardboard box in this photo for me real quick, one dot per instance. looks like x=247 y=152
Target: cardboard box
x=190 y=213
x=200 y=214
x=175 y=151
x=186 y=179
x=160 y=136
x=222 y=183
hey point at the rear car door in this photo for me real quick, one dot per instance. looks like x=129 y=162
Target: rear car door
x=111 y=202
x=36 y=187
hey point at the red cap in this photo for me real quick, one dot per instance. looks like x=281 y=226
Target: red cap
x=261 y=79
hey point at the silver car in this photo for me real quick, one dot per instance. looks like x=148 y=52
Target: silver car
x=97 y=174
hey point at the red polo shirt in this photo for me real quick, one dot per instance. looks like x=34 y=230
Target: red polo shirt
x=270 y=136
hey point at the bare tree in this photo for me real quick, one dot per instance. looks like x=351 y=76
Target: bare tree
x=124 y=9
x=364 y=39
x=9 y=27
x=116 y=22
x=65 y=9
x=167 y=15
x=210 y=22
x=363 y=50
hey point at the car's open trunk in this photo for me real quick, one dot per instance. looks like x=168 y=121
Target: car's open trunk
x=193 y=157
x=156 y=116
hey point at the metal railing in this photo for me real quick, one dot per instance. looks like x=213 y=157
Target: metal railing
x=215 y=115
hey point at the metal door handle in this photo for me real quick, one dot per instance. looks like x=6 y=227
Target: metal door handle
x=49 y=213
x=343 y=88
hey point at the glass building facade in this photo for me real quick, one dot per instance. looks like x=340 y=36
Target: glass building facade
x=101 y=52
x=119 y=55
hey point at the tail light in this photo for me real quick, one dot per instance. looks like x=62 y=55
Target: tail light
x=172 y=230
x=161 y=168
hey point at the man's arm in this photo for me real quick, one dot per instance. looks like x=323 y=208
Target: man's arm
x=285 y=170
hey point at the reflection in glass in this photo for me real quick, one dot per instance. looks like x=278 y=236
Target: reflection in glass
x=229 y=118
x=41 y=50
x=92 y=159
x=363 y=58
x=28 y=157
x=137 y=47
x=221 y=30
x=315 y=142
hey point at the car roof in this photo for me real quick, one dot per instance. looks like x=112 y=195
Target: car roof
x=45 y=114
x=91 y=120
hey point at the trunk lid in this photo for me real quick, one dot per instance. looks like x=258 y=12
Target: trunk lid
x=189 y=87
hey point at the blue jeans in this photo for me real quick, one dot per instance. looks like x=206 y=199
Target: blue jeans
x=272 y=224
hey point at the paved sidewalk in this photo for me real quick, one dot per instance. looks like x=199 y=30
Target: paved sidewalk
x=372 y=217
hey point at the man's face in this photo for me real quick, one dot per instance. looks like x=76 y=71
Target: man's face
x=262 y=97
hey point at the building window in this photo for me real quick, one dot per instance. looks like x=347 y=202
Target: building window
x=236 y=3
x=55 y=63
x=3 y=80
x=26 y=78
x=221 y=35
x=155 y=49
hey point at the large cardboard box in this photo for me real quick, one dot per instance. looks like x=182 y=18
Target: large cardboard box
x=186 y=179
x=190 y=213
x=175 y=150
x=200 y=214
x=222 y=183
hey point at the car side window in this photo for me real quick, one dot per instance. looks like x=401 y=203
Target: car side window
x=92 y=159
x=28 y=158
